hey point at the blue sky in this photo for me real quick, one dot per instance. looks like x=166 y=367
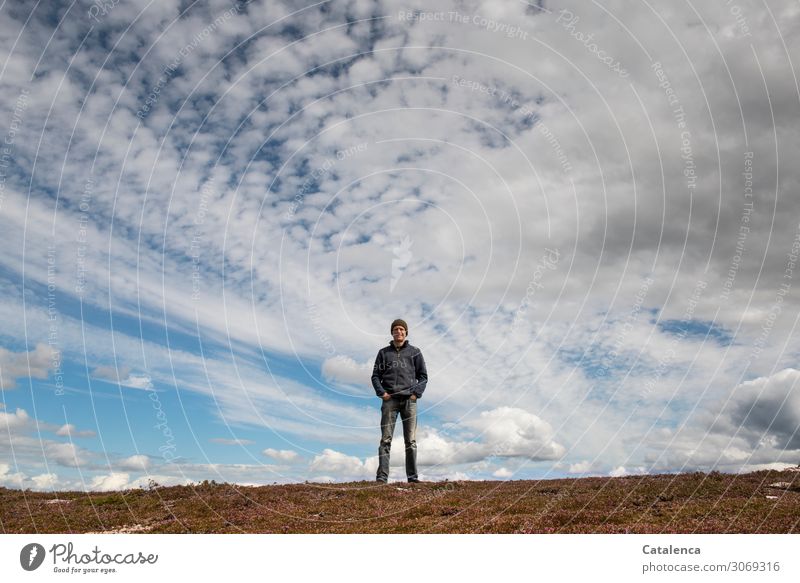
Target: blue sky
x=213 y=211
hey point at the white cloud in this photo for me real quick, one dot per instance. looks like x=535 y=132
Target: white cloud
x=138 y=382
x=437 y=450
x=286 y=455
x=343 y=466
x=68 y=430
x=135 y=463
x=17 y=440
x=503 y=473
x=109 y=482
x=346 y=371
x=777 y=467
x=15 y=480
x=66 y=454
x=123 y=377
x=514 y=432
x=618 y=472
x=34 y=364
x=581 y=467
x=45 y=481
x=440 y=475
x=160 y=479
x=14 y=422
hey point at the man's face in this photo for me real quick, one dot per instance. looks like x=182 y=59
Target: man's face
x=399 y=334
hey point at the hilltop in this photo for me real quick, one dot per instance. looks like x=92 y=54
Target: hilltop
x=759 y=502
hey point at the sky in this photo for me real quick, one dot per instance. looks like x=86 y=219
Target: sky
x=211 y=212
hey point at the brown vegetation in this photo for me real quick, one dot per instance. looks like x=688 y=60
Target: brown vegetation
x=760 y=502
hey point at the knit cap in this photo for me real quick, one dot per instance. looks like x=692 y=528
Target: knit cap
x=399 y=322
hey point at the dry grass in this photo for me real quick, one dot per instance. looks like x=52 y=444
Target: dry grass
x=685 y=503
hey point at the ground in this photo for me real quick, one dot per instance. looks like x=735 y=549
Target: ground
x=760 y=502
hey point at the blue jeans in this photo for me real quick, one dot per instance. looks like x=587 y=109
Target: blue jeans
x=408 y=414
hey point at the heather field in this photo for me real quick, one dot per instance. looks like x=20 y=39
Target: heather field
x=759 y=502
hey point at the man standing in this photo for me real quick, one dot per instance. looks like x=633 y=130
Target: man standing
x=399 y=378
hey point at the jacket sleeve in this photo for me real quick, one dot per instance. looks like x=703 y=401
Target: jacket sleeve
x=421 y=373
x=377 y=372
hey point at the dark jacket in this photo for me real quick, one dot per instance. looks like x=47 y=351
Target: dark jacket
x=400 y=371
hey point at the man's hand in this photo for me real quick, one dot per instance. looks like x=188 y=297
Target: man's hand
x=386 y=396
x=413 y=397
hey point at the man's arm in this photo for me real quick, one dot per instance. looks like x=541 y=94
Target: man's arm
x=421 y=372
x=377 y=372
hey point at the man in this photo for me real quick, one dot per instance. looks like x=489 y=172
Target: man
x=399 y=378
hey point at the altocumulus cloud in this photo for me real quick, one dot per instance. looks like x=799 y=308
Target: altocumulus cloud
x=306 y=173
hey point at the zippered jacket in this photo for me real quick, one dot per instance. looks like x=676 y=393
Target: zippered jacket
x=400 y=371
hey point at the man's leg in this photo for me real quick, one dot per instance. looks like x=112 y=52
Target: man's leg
x=409 y=418
x=389 y=412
